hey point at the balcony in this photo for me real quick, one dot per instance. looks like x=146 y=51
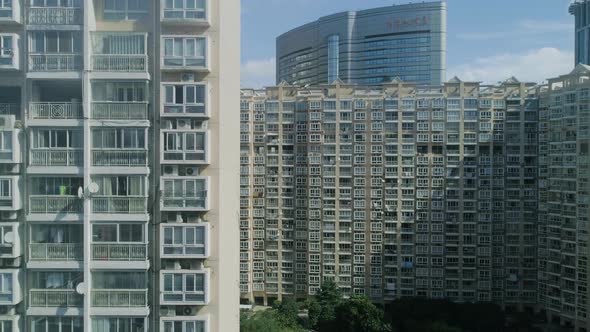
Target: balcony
x=119 y=157
x=123 y=204
x=113 y=110
x=55 y=62
x=119 y=298
x=119 y=52
x=53 y=110
x=179 y=287
x=119 y=63
x=9 y=51
x=55 y=252
x=119 y=252
x=182 y=53
x=184 y=194
x=57 y=157
x=54 y=16
x=65 y=298
x=193 y=12
x=55 y=204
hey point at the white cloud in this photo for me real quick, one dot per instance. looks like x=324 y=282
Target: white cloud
x=258 y=73
x=525 y=27
x=533 y=66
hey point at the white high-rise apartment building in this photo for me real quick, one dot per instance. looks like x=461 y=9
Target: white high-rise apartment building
x=119 y=165
x=392 y=191
x=564 y=186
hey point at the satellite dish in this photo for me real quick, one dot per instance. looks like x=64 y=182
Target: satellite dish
x=80 y=192
x=80 y=288
x=9 y=237
x=93 y=188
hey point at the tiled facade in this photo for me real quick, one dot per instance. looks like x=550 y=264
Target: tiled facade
x=112 y=129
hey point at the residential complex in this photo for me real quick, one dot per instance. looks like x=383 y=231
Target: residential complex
x=367 y=47
x=580 y=9
x=391 y=191
x=564 y=186
x=114 y=116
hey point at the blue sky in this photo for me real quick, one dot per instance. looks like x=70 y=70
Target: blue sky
x=487 y=40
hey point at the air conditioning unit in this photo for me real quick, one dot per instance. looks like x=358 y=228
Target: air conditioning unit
x=188 y=171
x=170 y=170
x=185 y=311
x=10 y=168
x=188 y=77
x=9 y=215
x=183 y=124
x=7 y=121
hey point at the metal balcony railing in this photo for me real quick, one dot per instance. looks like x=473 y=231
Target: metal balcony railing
x=123 y=204
x=55 y=204
x=55 y=251
x=55 y=62
x=119 y=157
x=119 y=252
x=46 y=110
x=9 y=109
x=118 y=62
x=54 y=16
x=114 y=110
x=119 y=298
x=61 y=157
x=55 y=298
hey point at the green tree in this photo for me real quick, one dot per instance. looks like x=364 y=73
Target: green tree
x=265 y=321
x=323 y=312
x=359 y=314
x=288 y=312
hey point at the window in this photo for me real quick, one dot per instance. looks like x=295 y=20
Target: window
x=55 y=186
x=185 y=193
x=189 y=99
x=184 y=146
x=5 y=192
x=119 y=91
x=118 y=233
x=121 y=185
x=184 y=326
x=185 y=9
x=6 y=8
x=119 y=280
x=180 y=240
x=185 y=52
x=119 y=324
x=129 y=138
x=57 y=139
x=7 y=46
x=184 y=287
x=63 y=324
x=6 y=289
x=119 y=10
x=54 y=42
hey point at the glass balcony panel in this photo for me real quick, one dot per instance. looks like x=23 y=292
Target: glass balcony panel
x=55 y=16
x=119 y=157
x=123 y=204
x=119 y=252
x=57 y=157
x=55 y=110
x=114 y=110
x=55 y=298
x=119 y=52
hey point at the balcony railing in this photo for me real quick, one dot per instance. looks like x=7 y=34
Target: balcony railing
x=61 y=157
x=119 y=252
x=114 y=110
x=118 y=62
x=122 y=204
x=55 y=251
x=119 y=298
x=9 y=109
x=119 y=157
x=197 y=200
x=55 y=298
x=54 y=16
x=55 y=204
x=55 y=62
x=44 y=110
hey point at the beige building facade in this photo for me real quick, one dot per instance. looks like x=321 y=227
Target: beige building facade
x=119 y=165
